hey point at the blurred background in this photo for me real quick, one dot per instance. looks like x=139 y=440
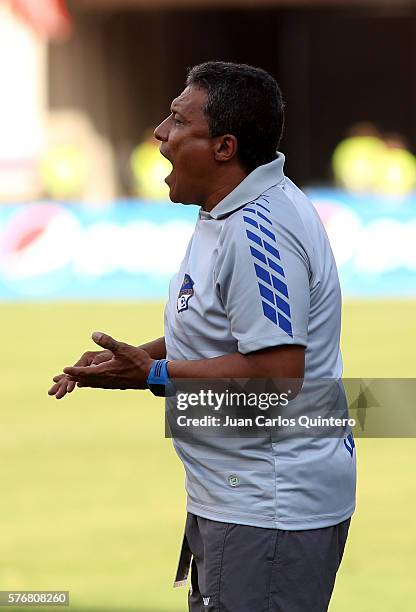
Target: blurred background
x=92 y=493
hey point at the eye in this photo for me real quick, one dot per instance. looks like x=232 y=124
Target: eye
x=176 y=119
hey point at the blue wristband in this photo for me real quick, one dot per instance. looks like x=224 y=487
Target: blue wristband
x=158 y=379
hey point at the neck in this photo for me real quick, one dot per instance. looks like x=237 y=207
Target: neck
x=223 y=188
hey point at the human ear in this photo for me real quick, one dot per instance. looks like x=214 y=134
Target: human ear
x=225 y=148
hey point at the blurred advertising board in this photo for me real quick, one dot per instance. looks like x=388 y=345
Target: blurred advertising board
x=374 y=242
x=130 y=249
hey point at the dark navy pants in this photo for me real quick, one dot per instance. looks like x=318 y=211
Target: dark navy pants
x=237 y=568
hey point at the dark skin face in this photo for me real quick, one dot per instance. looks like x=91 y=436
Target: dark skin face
x=205 y=169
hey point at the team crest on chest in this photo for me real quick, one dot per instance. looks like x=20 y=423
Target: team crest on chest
x=185 y=293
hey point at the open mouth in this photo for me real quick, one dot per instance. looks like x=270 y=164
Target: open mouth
x=165 y=155
x=169 y=160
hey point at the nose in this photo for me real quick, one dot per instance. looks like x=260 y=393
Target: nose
x=161 y=132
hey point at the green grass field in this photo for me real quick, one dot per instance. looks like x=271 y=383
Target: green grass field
x=92 y=496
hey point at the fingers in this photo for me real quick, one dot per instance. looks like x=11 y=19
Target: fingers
x=62 y=391
x=70 y=386
x=77 y=371
x=107 y=342
x=66 y=382
x=86 y=359
x=102 y=357
x=54 y=389
x=80 y=371
x=62 y=387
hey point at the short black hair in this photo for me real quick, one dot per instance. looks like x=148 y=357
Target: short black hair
x=243 y=101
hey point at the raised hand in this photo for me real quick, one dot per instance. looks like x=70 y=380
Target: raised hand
x=127 y=367
x=64 y=384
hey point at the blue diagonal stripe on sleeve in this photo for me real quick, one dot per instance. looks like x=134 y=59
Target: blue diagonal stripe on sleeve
x=275 y=309
x=259 y=214
x=269 y=312
x=252 y=236
x=263 y=274
x=251 y=221
x=283 y=305
x=285 y=324
x=267 y=232
x=279 y=285
x=256 y=253
x=274 y=266
x=266 y=293
x=271 y=249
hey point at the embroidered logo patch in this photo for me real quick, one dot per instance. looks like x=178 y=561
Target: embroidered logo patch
x=206 y=600
x=185 y=293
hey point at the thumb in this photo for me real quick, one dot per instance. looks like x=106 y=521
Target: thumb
x=107 y=342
